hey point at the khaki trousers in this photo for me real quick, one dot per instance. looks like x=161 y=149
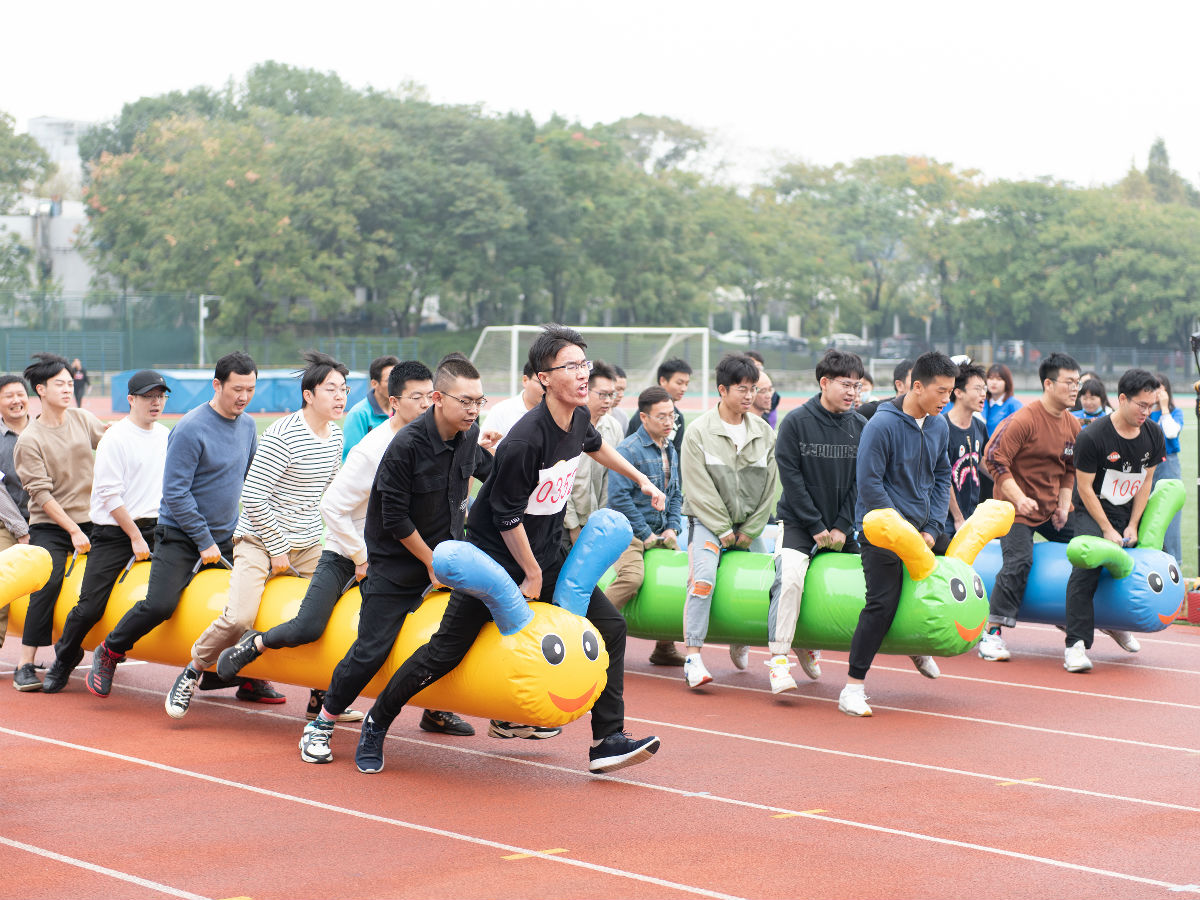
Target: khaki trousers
x=251 y=569
x=631 y=570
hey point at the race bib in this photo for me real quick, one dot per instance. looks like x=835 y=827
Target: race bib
x=1120 y=487
x=553 y=489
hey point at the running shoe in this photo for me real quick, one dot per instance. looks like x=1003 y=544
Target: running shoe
x=620 y=750
x=104 y=664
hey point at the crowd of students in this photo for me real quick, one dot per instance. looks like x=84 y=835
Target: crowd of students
x=369 y=501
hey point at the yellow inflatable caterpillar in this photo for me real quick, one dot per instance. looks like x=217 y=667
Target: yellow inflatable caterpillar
x=542 y=665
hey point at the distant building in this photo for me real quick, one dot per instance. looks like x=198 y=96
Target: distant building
x=60 y=139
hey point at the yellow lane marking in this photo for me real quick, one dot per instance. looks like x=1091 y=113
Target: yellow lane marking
x=807 y=812
x=1021 y=781
x=533 y=855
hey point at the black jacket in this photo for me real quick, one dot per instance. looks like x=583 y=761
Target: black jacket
x=816 y=451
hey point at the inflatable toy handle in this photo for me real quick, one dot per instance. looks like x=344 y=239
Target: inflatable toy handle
x=1165 y=501
x=466 y=568
x=1089 y=552
x=888 y=529
x=991 y=519
x=604 y=538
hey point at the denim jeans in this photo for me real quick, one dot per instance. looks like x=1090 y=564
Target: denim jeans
x=704 y=554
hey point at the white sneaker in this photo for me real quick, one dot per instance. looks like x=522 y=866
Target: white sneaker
x=1076 y=659
x=992 y=647
x=781 y=678
x=740 y=655
x=1124 y=639
x=926 y=666
x=694 y=672
x=853 y=700
x=810 y=662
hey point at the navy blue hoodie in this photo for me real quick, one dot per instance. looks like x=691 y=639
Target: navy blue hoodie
x=904 y=466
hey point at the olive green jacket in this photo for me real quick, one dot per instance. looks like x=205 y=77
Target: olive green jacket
x=728 y=491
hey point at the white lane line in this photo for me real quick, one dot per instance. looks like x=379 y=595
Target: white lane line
x=370 y=817
x=921 y=712
x=102 y=870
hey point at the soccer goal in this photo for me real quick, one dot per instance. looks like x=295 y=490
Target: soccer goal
x=501 y=350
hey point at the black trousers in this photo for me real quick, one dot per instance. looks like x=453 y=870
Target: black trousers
x=1081 y=588
x=175 y=555
x=331 y=575
x=883 y=571
x=466 y=615
x=39 y=621
x=385 y=606
x=1016 y=549
x=111 y=551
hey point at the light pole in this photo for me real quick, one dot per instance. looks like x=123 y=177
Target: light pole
x=203 y=314
x=1196 y=386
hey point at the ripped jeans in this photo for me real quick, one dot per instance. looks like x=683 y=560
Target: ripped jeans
x=704 y=553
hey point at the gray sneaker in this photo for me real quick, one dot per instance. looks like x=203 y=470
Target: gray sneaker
x=314 y=741
x=25 y=678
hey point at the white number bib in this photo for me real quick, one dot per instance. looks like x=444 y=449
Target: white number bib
x=1120 y=487
x=554 y=487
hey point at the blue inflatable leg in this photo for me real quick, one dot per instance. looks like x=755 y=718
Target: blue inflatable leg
x=604 y=538
x=466 y=568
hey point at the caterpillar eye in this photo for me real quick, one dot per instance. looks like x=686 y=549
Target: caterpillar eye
x=553 y=649
x=1155 y=581
x=591 y=645
x=958 y=590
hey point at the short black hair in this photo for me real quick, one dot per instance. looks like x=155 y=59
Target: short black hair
x=903 y=368
x=378 y=364
x=756 y=356
x=966 y=372
x=651 y=397
x=1053 y=364
x=44 y=367
x=1162 y=379
x=736 y=368
x=620 y=372
x=671 y=367
x=550 y=343
x=404 y=372
x=6 y=380
x=236 y=363
x=317 y=367
x=1095 y=387
x=1135 y=381
x=933 y=365
x=527 y=369
x=601 y=369
x=453 y=365
x=840 y=364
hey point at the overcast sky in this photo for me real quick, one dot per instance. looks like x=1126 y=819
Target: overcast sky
x=1077 y=91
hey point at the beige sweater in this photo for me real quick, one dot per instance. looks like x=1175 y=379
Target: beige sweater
x=55 y=463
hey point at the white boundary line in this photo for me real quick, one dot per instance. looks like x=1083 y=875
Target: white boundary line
x=371 y=817
x=922 y=712
x=102 y=870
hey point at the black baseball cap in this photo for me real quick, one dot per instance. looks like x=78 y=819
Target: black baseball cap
x=145 y=381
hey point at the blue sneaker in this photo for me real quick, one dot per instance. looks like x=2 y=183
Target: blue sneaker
x=369 y=754
x=620 y=750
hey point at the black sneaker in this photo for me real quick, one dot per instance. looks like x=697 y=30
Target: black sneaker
x=620 y=750
x=255 y=690
x=316 y=700
x=104 y=663
x=233 y=659
x=369 y=754
x=443 y=722
x=210 y=681
x=60 y=671
x=180 y=697
x=499 y=729
x=25 y=678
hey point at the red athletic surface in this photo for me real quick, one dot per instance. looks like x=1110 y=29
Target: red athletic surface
x=220 y=805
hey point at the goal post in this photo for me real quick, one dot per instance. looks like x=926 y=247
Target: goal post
x=500 y=354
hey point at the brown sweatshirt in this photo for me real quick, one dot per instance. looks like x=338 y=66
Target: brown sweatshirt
x=55 y=463
x=1037 y=450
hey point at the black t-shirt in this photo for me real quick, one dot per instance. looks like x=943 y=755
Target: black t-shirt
x=1119 y=463
x=965 y=451
x=530 y=481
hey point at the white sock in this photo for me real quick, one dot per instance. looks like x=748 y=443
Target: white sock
x=855 y=688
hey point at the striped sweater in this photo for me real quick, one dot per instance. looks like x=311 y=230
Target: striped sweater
x=282 y=494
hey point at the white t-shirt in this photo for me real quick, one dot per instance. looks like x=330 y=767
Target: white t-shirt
x=737 y=433
x=504 y=415
x=129 y=472
x=344 y=505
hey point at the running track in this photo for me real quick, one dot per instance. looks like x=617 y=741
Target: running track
x=998 y=780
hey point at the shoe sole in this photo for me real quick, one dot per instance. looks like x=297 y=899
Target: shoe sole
x=87 y=682
x=783 y=687
x=602 y=767
x=1004 y=658
x=1078 y=670
x=531 y=736
x=706 y=680
x=268 y=700
x=28 y=688
x=369 y=771
x=316 y=760
x=857 y=715
x=456 y=732
x=350 y=715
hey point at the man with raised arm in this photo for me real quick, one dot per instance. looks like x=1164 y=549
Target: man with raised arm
x=517 y=520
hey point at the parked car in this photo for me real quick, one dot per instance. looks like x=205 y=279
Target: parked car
x=851 y=343
x=773 y=340
x=901 y=346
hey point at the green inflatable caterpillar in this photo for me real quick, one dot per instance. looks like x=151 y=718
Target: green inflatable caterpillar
x=943 y=604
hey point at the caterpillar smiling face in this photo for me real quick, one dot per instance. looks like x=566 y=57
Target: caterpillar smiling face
x=561 y=664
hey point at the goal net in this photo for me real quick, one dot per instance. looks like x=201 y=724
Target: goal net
x=501 y=351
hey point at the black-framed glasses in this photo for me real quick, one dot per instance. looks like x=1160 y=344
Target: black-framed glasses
x=572 y=367
x=469 y=404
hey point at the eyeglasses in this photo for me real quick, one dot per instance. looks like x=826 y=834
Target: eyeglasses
x=743 y=389
x=420 y=398
x=336 y=391
x=846 y=385
x=765 y=392
x=665 y=418
x=468 y=404
x=1068 y=383
x=572 y=367
x=605 y=395
x=1147 y=408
